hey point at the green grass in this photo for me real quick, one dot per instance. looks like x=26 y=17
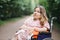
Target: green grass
x=9 y=20
x=1 y=22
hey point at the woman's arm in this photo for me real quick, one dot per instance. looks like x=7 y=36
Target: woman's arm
x=40 y=29
x=45 y=28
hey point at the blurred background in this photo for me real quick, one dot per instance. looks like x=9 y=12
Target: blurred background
x=18 y=8
x=16 y=11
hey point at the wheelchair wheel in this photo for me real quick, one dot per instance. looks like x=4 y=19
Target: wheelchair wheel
x=47 y=39
x=33 y=39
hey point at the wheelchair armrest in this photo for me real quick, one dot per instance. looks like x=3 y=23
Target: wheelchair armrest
x=44 y=33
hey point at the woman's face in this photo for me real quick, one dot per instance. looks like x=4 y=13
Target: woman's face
x=37 y=15
x=37 y=10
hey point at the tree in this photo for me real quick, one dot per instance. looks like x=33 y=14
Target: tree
x=54 y=8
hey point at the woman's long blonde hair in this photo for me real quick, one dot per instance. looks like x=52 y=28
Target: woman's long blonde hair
x=43 y=13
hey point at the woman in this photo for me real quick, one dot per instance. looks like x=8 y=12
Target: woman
x=37 y=23
x=43 y=22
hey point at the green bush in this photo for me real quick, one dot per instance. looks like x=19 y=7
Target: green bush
x=14 y=8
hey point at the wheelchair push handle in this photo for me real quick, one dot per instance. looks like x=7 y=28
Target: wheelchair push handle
x=51 y=24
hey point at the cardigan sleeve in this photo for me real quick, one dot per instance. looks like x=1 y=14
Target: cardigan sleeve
x=46 y=24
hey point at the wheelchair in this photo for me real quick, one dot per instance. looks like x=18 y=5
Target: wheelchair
x=45 y=35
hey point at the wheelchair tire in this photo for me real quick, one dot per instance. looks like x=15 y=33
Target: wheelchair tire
x=48 y=39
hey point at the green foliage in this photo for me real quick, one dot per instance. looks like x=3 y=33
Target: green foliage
x=54 y=8
x=17 y=8
x=14 y=8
